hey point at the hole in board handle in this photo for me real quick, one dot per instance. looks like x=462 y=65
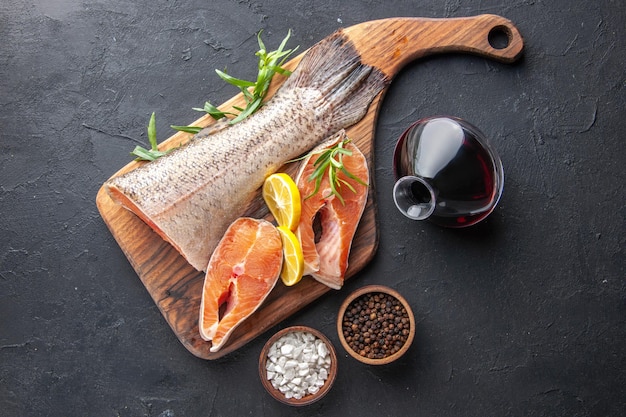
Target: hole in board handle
x=499 y=37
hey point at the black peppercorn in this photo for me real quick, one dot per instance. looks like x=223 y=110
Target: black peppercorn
x=377 y=325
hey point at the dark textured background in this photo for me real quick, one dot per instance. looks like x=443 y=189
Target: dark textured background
x=523 y=315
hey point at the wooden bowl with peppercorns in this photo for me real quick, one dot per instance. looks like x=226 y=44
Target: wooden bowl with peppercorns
x=376 y=325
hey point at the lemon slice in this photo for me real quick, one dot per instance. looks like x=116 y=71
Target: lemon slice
x=293 y=261
x=282 y=197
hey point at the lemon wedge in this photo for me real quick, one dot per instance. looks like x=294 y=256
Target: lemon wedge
x=282 y=197
x=293 y=259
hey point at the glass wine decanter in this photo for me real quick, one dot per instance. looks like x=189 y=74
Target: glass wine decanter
x=447 y=172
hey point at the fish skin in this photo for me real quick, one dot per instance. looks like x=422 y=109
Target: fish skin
x=326 y=253
x=191 y=195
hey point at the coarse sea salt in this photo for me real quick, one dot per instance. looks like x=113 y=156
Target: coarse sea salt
x=298 y=364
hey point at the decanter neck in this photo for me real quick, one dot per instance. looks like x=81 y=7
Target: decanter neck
x=414 y=197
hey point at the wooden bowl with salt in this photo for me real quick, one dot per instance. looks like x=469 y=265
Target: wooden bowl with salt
x=298 y=365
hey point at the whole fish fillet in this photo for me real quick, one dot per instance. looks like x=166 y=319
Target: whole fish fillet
x=242 y=271
x=191 y=196
x=327 y=226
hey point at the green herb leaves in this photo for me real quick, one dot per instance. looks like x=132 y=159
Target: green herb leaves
x=330 y=162
x=254 y=92
x=153 y=153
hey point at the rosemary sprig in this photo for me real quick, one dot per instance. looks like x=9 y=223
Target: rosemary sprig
x=188 y=129
x=330 y=162
x=254 y=92
x=143 y=154
x=270 y=63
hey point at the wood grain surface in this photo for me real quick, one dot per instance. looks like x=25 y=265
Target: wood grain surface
x=387 y=44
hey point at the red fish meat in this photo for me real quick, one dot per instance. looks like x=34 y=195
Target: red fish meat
x=328 y=225
x=242 y=271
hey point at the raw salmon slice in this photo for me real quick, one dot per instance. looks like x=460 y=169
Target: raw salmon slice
x=242 y=271
x=327 y=226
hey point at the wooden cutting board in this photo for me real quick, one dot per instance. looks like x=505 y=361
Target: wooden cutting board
x=387 y=44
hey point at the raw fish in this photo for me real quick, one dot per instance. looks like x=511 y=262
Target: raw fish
x=191 y=196
x=327 y=225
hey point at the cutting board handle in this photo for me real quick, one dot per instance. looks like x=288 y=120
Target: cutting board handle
x=390 y=44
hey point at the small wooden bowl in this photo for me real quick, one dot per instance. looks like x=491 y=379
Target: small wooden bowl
x=309 y=398
x=347 y=304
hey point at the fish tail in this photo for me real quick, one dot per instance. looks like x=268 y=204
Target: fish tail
x=347 y=86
